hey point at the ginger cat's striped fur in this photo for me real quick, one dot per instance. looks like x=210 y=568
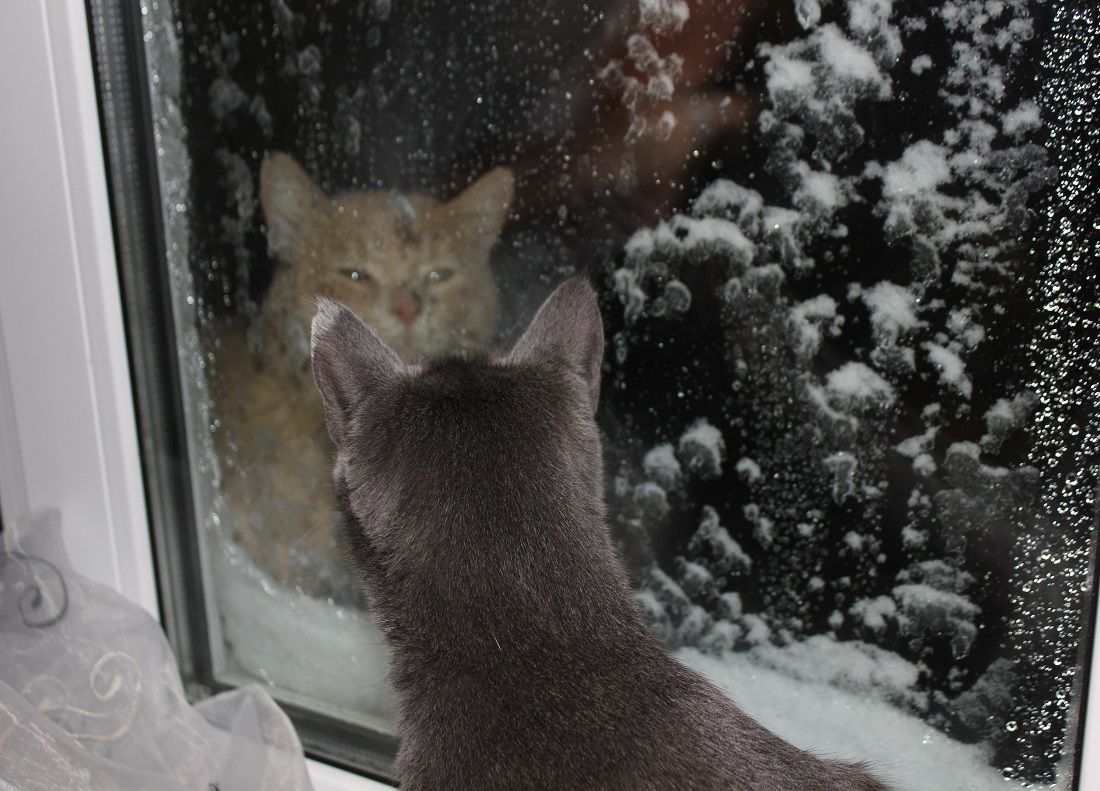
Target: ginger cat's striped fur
x=415 y=266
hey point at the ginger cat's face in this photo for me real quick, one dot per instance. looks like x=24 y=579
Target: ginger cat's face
x=415 y=268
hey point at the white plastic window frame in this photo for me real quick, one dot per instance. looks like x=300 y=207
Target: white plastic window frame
x=68 y=436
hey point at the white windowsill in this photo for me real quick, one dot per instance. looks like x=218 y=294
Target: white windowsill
x=329 y=778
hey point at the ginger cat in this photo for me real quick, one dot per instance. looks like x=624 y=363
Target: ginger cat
x=417 y=267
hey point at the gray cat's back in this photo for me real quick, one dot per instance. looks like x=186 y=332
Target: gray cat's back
x=651 y=725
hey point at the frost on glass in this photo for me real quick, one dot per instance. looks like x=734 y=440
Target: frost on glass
x=845 y=466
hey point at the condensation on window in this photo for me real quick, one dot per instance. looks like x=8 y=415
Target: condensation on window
x=845 y=279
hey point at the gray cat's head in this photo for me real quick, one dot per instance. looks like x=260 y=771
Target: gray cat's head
x=463 y=461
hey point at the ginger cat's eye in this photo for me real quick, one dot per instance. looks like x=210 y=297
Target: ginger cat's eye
x=439 y=275
x=358 y=275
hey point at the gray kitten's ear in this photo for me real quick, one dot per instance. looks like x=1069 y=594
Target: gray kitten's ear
x=568 y=328
x=349 y=359
x=291 y=202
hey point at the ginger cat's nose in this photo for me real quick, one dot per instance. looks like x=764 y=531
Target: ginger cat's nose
x=406 y=307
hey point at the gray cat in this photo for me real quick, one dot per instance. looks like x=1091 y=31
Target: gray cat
x=473 y=494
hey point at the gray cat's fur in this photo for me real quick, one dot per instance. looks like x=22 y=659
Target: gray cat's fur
x=473 y=493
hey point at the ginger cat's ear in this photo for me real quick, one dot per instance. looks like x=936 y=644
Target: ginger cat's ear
x=291 y=202
x=477 y=215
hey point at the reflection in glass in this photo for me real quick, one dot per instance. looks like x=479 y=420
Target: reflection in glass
x=837 y=429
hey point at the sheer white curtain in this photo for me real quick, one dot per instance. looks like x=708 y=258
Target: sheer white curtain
x=91 y=698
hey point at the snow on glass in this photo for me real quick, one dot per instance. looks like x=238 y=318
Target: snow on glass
x=863 y=509
x=880 y=533
x=657 y=83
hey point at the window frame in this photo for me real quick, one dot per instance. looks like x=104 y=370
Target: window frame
x=69 y=424
x=118 y=47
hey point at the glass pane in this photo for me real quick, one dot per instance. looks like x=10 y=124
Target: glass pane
x=844 y=269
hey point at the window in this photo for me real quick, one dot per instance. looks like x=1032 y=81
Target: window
x=843 y=255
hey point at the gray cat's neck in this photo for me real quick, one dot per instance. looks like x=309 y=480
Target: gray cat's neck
x=506 y=622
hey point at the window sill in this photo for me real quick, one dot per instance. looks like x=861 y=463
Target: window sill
x=329 y=778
